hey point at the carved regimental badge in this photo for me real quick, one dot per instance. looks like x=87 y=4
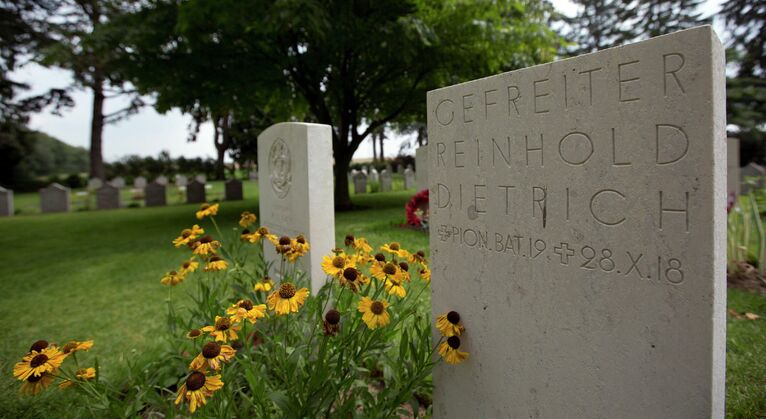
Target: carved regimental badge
x=279 y=168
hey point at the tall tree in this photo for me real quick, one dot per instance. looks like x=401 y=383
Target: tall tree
x=84 y=44
x=599 y=24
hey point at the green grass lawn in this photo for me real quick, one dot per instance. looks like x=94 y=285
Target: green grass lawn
x=95 y=275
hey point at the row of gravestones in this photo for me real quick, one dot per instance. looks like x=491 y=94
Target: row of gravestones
x=360 y=177
x=582 y=241
x=140 y=182
x=56 y=198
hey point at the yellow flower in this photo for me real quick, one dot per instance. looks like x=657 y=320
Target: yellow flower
x=39 y=346
x=287 y=299
x=394 y=286
x=213 y=355
x=206 y=245
x=244 y=309
x=197 y=388
x=187 y=235
x=395 y=248
x=34 y=384
x=223 y=330
x=172 y=278
x=353 y=279
x=38 y=363
x=375 y=313
x=247 y=219
x=450 y=351
x=264 y=285
x=449 y=324
x=405 y=270
x=263 y=232
x=190 y=265
x=206 y=210
x=418 y=257
x=298 y=247
x=425 y=274
x=362 y=246
x=333 y=265
x=83 y=374
x=216 y=263
x=382 y=271
x=74 y=346
x=194 y=334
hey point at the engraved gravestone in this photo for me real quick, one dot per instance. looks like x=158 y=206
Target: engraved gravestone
x=385 y=180
x=107 y=197
x=118 y=182
x=6 y=202
x=195 y=192
x=589 y=194
x=55 y=198
x=296 y=190
x=233 y=190
x=409 y=178
x=732 y=166
x=421 y=164
x=360 y=183
x=154 y=195
x=139 y=182
x=162 y=180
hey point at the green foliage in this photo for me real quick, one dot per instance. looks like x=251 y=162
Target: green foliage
x=746 y=239
x=29 y=158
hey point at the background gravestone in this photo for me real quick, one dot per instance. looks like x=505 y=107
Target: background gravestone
x=195 y=192
x=409 y=178
x=118 y=182
x=154 y=195
x=360 y=183
x=55 y=198
x=253 y=175
x=107 y=197
x=201 y=178
x=374 y=175
x=295 y=178
x=594 y=212
x=139 y=182
x=6 y=202
x=233 y=190
x=385 y=180
x=732 y=166
x=752 y=177
x=421 y=164
x=181 y=180
x=94 y=183
x=162 y=180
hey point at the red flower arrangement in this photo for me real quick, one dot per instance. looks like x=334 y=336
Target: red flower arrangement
x=417 y=210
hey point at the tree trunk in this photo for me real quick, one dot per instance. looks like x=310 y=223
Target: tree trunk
x=97 y=129
x=342 y=195
x=374 y=148
x=382 y=156
x=220 y=139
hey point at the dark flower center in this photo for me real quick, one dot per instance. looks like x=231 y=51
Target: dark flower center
x=205 y=239
x=215 y=259
x=266 y=278
x=453 y=342
x=377 y=307
x=453 y=317
x=245 y=231
x=246 y=304
x=211 y=350
x=405 y=266
x=204 y=206
x=421 y=253
x=389 y=269
x=186 y=233
x=380 y=257
x=39 y=345
x=263 y=231
x=332 y=317
x=33 y=379
x=195 y=381
x=284 y=241
x=223 y=323
x=173 y=273
x=301 y=239
x=351 y=274
x=237 y=345
x=38 y=360
x=194 y=333
x=286 y=291
x=68 y=347
x=394 y=246
x=338 y=262
x=349 y=239
x=186 y=265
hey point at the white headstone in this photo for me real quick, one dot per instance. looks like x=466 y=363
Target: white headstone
x=55 y=198
x=139 y=182
x=181 y=180
x=201 y=178
x=752 y=177
x=107 y=197
x=588 y=197
x=118 y=182
x=296 y=190
x=385 y=180
x=409 y=178
x=6 y=202
x=360 y=183
x=94 y=183
x=421 y=164
x=374 y=175
x=162 y=180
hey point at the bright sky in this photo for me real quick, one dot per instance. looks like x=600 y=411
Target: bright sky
x=148 y=132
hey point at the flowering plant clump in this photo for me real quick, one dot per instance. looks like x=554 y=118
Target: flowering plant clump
x=417 y=210
x=255 y=342
x=44 y=364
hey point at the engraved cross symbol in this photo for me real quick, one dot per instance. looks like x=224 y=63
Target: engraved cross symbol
x=565 y=252
x=444 y=233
